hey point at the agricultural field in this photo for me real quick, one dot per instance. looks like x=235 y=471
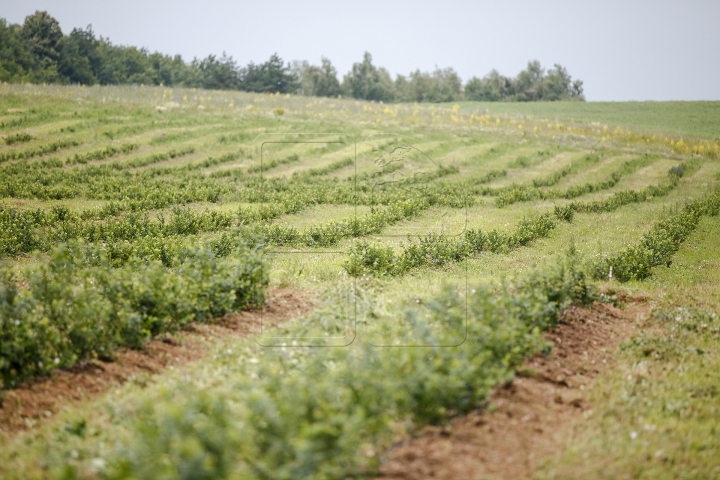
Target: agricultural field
x=211 y=284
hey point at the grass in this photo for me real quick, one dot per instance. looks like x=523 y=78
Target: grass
x=656 y=414
x=527 y=149
x=681 y=119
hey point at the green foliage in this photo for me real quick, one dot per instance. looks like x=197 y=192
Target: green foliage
x=158 y=157
x=17 y=61
x=524 y=193
x=38 y=51
x=367 y=82
x=81 y=57
x=442 y=85
x=531 y=84
x=18 y=138
x=44 y=37
x=657 y=246
x=106 y=152
x=271 y=76
x=317 y=81
x=312 y=412
x=37 y=151
x=77 y=306
x=316 y=172
x=264 y=166
x=437 y=250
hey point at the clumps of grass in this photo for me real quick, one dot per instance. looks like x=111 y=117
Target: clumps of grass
x=21 y=137
x=657 y=246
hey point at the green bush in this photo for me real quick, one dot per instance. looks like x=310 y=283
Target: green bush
x=436 y=250
x=524 y=193
x=37 y=151
x=21 y=137
x=102 y=154
x=657 y=246
x=77 y=306
x=301 y=413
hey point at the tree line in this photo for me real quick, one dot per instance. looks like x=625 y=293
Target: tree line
x=37 y=51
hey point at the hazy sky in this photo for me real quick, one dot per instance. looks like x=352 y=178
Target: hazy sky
x=622 y=50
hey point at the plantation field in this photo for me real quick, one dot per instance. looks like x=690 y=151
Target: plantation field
x=438 y=245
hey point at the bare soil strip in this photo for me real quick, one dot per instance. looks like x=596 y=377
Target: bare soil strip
x=531 y=419
x=32 y=403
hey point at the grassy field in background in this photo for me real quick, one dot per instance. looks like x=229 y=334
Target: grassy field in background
x=337 y=193
x=682 y=119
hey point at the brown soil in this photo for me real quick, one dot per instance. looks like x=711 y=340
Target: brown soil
x=31 y=403
x=529 y=420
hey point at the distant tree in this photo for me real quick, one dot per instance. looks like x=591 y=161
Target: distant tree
x=402 y=89
x=16 y=59
x=326 y=81
x=222 y=73
x=367 y=82
x=271 y=76
x=318 y=81
x=558 y=85
x=531 y=84
x=44 y=37
x=80 y=58
x=528 y=82
x=493 y=87
x=38 y=51
x=174 y=71
x=442 y=85
x=419 y=87
x=446 y=85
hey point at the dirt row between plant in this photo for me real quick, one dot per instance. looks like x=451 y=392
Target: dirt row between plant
x=35 y=402
x=530 y=420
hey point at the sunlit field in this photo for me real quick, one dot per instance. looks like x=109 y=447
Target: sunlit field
x=435 y=245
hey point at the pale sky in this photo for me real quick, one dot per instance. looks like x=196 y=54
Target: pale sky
x=622 y=50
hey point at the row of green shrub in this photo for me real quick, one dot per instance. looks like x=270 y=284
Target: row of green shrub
x=436 y=250
x=154 y=158
x=320 y=171
x=523 y=161
x=265 y=166
x=659 y=245
x=331 y=233
x=524 y=193
x=40 y=229
x=625 y=197
x=488 y=177
x=275 y=197
x=289 y=413
x=37 y=151
x=23 y=232
x=20 y=137
x=101 y=154
x=74 y=305
x=574 y=167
